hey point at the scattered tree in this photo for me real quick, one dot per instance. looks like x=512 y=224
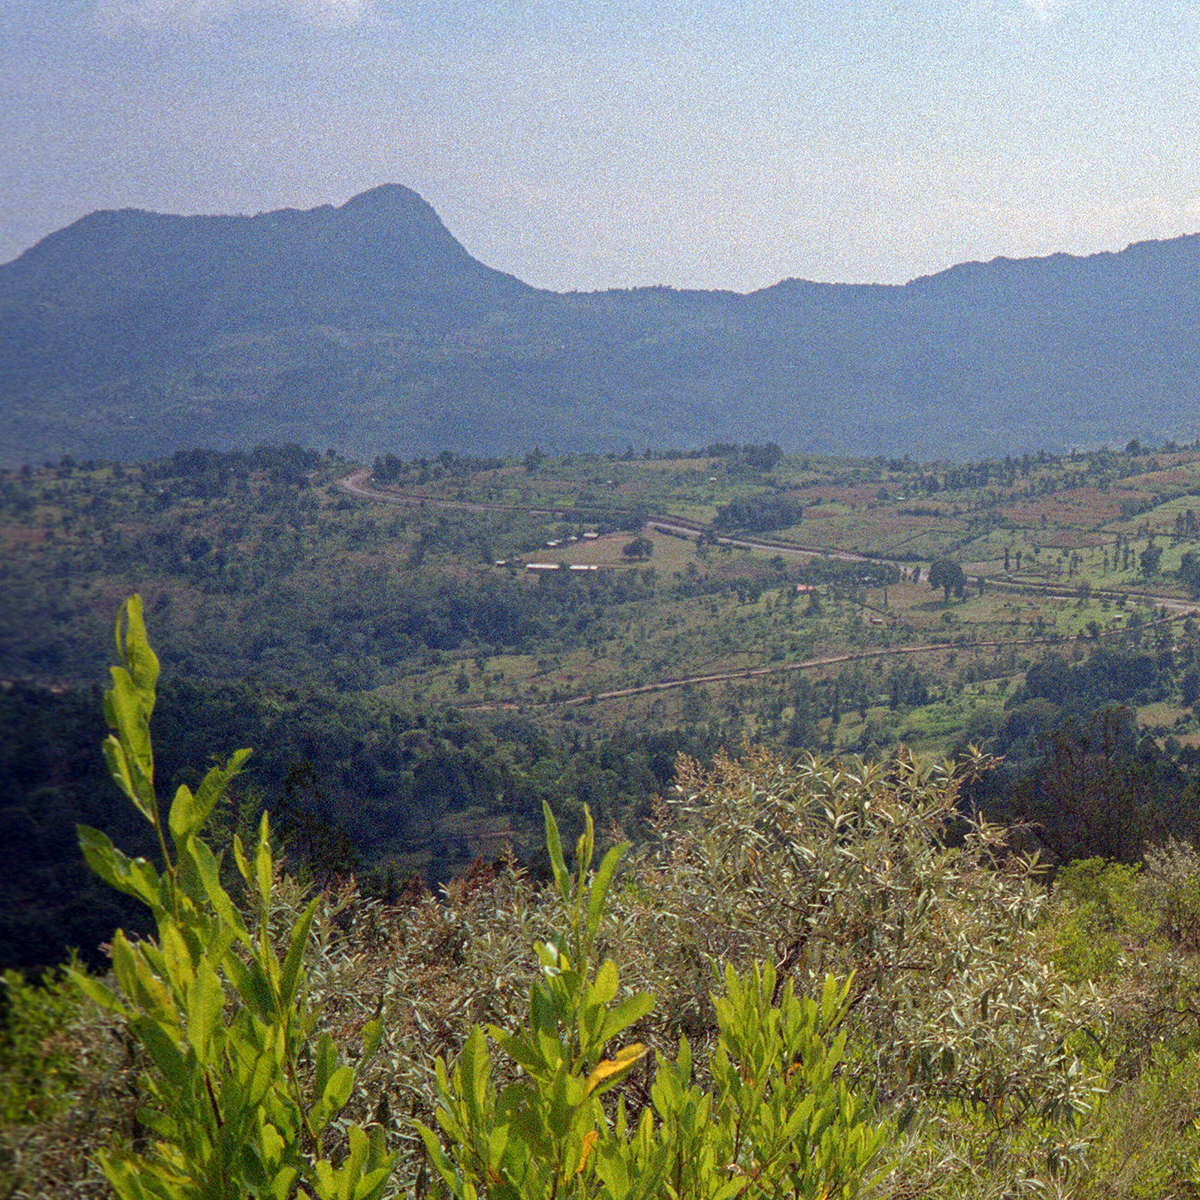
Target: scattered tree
x=948 y=575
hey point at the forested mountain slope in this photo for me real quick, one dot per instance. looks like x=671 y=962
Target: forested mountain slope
x=370 y=328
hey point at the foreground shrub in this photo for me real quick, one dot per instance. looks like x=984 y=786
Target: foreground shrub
x=241 y=1092
x=65 y=1087
x=870 y=871
x=752 y=1071
x=776 y=1122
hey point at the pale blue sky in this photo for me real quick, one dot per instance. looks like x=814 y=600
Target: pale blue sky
x=613 y=144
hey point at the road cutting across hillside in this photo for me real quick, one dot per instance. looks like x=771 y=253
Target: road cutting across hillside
x=357 y=484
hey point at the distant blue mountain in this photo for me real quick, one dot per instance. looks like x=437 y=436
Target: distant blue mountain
x=370 y=329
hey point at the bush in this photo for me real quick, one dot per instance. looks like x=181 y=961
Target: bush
x=240 y=1097
x=776 y=1121
x=39 y=1069
x=1103 y=905
x=870 y=871
x=837 y=955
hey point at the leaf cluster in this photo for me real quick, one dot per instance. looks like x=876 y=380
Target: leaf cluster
x=239 y=1097
x=776 y=1121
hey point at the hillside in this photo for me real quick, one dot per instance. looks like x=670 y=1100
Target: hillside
x=743 y=661
x=416 y=685
x=368 y=327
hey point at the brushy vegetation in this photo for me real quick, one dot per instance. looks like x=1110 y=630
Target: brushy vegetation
x=672 y=1019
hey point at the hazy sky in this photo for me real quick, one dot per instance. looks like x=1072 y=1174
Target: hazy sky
x=607 y=144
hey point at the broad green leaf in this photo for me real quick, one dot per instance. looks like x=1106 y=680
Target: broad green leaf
x=554 y=849
x=263 y=866
x=264 y=1075
x=605 y=986
x=138 y=981
x=335 y=1096
x=129 y=717
x=97 y=991
x=189 y=812
x=327 y=1062
x=163 y=1050
x=733 y=1187
x=442 y=1163
x=118 y=768
x=602 y=883
x=134 y=876
x=475 y=1070
x=239 y=857
x=184 y=819
x=497 y=1143
x=291 y=974
x=134 y=1178
x=521 y=1051
x=205 y=1006
x=632 y=1009
x=200 y=877
x=137 y=655
x=372 y=1183
x=326 y=1180
x=352 y=1166
x=252 y=986
x=584 y=848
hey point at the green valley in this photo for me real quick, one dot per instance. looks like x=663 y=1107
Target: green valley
x=747 y=663
x=424 y=654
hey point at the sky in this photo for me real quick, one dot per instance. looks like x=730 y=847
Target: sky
x=617 y=143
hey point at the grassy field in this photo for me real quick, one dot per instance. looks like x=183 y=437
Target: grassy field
x=1057 y=549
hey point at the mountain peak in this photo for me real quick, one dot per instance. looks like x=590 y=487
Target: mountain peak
x=392 y=197
x=390 y=211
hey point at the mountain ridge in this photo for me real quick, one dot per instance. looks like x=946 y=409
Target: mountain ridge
x=369 y=327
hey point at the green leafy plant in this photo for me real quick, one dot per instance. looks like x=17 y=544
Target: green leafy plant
x=1101 y=903
x=777 y=1120
x=38 y=1069
x=240 y=1099
x=533 y=1137
x=1147 y=1132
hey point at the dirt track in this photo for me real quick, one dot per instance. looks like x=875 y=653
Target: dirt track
x=356 y=485
x=666 y=685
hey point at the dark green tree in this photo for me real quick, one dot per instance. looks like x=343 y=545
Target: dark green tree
x=948 y=575
x=1189 y=687
x=1189 y=571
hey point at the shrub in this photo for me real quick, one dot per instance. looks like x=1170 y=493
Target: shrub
x=1102 y=906
x=776 y=1121
x=753 y=1070
x=240 y=1097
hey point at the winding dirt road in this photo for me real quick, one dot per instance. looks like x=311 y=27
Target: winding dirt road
x=666 y=685
x=356 y=485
